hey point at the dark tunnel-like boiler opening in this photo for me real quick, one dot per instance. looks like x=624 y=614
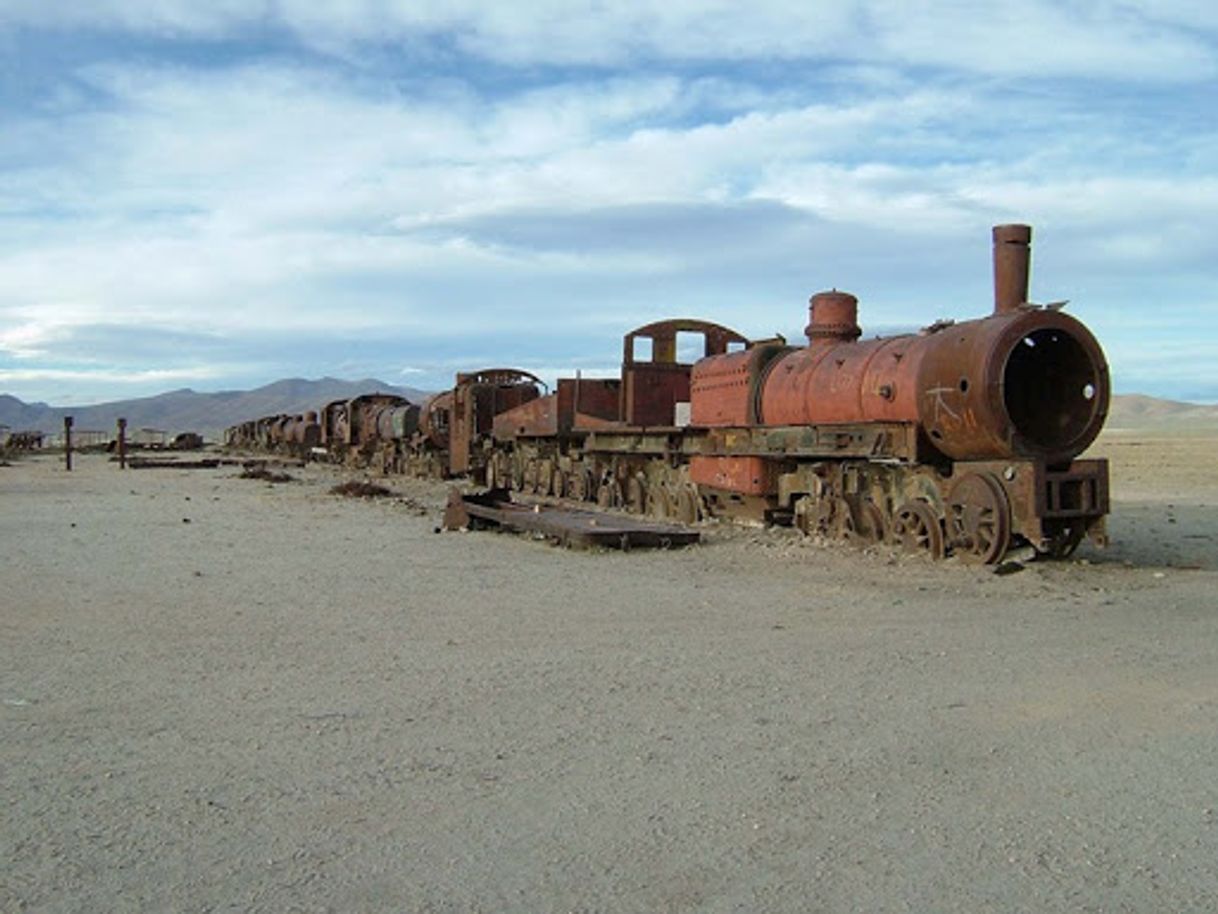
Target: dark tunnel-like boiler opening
x=1051 y=387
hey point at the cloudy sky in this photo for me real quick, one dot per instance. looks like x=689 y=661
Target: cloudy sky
x=216 y=195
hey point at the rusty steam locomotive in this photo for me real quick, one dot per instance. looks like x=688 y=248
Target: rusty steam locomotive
x=961 y=439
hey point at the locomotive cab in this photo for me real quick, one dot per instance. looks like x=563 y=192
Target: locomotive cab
x=655 y=382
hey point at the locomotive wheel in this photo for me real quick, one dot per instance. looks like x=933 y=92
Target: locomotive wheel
x=636 y=494
x=609 y=495
x=583 y=488
x=659 y=503
x=547 y=477
x=916 y=527
x=978 y=518
x=867 y=526
x=688 y=504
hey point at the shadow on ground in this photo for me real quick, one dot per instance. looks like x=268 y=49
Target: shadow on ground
x=1153 y=533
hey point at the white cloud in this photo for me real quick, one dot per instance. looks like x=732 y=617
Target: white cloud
x=284 y=200
x=1129 y=40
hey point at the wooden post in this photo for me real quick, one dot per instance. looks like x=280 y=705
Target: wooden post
x=67 y=442
x=122 y=444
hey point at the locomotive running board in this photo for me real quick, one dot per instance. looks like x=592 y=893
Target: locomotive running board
x=572 y=527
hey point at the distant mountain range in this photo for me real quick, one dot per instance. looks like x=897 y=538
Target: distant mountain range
x=1142 y=412
x=189 y=411
x=209 y=414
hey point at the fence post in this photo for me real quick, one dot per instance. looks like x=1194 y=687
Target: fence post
x=122 y=444
x=67 y=442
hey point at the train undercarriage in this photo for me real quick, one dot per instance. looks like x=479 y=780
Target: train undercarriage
x=861 y=484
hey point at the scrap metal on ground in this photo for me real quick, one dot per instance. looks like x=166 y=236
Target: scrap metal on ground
x=567 y=526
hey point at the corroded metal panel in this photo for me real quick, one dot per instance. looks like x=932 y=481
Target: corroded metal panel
x=746 y=475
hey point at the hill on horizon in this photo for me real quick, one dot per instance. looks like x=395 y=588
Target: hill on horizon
x=1142 y=411
x=186 y=410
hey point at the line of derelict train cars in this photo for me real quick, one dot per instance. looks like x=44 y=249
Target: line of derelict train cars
x=961 y=439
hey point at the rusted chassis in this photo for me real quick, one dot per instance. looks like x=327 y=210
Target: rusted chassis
x=839 y=481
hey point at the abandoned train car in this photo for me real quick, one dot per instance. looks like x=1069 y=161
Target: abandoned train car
x=964 y=438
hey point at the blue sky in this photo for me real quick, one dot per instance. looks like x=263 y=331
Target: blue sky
x=216 y=195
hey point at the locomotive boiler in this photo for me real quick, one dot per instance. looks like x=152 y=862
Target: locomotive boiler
x=1023 y=382
x=970 y=430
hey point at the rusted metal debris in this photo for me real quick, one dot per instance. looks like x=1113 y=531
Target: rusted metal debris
x=356 y=489
x=157 y=463
x=186 y=441
x=31 y=440
x=564 y=525
x=265 y=474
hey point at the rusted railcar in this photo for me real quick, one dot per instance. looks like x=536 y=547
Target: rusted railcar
x=241 y=436
x=302 y=433
x=333 y=424
x=281 y=433
x=963 y=438
x=362 y=413
x=456 y=427
x=614 y=441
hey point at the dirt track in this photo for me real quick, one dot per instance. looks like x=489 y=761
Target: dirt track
x=296 y=702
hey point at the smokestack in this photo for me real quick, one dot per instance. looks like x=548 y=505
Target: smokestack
x=1011 y=265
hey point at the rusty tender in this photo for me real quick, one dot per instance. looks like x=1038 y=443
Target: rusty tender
x=961 y=439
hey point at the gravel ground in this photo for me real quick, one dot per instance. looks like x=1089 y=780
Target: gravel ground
x=220 y=694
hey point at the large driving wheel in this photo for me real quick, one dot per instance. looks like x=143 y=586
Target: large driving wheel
x=978 y=518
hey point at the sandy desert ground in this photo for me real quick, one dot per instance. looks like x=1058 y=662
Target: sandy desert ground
x=218 y=694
